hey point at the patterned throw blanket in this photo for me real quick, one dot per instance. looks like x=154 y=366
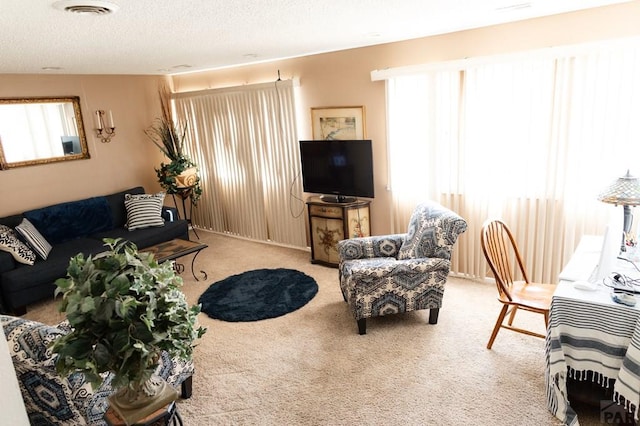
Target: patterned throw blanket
x=590 y=333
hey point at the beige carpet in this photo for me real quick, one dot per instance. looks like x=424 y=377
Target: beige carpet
x=311 y=367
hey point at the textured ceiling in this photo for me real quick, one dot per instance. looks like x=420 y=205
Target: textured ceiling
x=175 y=36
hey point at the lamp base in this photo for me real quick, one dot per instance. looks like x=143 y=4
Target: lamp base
x=626 y=227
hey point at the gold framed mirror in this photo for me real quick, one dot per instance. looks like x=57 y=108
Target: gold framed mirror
x=40 y=131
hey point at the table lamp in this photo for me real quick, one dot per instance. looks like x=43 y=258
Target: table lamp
x=624 y=191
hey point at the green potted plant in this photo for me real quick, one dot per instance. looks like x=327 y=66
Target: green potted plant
x=180 y=175
x=125 y=309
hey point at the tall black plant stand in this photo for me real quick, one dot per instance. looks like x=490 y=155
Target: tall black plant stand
x=183 y=194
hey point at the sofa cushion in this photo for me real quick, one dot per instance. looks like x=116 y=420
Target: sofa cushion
x=7 y=262
x=26 y=284
x=149 y=236
x=116 y=203
x=35 y=240
x=144 y=210
x=10 y=243
x=66 y=221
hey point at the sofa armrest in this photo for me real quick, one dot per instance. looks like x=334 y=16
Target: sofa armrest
x=370 y=247
x=7 y=262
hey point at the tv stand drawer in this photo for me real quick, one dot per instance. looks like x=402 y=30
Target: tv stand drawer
x=325 y=211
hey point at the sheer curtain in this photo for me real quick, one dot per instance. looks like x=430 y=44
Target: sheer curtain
x=245 y=144
x=531 y=140
x=44 y=123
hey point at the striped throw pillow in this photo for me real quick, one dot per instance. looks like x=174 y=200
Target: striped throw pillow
x=144 y=210
x=34 y=238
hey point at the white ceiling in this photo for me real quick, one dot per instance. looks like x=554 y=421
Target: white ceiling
x=176 y=36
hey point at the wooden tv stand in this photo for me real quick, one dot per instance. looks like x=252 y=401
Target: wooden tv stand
x=330 y=222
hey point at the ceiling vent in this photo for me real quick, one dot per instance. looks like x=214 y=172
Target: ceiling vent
x=86 y=7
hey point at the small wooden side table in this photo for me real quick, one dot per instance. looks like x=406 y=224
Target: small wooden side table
x=165 y=416
x=331 y=222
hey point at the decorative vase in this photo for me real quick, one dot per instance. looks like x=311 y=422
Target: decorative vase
x=133 y=404
x=187 y=178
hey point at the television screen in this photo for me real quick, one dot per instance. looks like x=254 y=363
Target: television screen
x=342 y=168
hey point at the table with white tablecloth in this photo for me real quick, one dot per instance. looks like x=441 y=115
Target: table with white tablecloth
x=591 y=337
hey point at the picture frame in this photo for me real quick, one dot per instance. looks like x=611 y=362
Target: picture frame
x=338 y=123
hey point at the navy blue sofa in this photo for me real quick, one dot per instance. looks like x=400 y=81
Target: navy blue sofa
x=71 y=228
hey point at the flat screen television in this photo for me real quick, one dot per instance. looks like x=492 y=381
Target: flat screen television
x=339 y=170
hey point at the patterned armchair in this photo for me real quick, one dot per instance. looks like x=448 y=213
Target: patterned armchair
x=384 y=275
x=50 y=399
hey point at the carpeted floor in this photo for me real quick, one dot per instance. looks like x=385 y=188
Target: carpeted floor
x=310 y=367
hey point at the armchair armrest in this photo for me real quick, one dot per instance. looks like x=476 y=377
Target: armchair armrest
x=75 y=402
x=370 y=247
x=48 y=398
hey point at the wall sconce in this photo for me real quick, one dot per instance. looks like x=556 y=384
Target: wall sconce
x=105 y=131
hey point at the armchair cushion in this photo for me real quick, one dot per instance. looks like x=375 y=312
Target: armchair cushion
x=52 y=399
x=433 y=230
x=382 y=286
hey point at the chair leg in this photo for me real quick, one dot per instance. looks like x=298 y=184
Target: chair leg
x=503 y=312
x=433 y=315
x=362 y=326
x=513 y=315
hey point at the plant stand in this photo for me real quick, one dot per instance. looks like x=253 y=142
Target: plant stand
x=167 y=415
x=183 y=194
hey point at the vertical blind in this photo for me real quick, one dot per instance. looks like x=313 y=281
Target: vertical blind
x=530 y=139
x=245 y=144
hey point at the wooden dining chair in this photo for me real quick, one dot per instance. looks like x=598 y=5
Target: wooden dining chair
x=500 y=250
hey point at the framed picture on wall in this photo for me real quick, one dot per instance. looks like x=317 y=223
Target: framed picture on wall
x=338 y=123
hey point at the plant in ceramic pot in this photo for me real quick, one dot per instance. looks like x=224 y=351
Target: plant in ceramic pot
x=125 y=309
x=180 y=175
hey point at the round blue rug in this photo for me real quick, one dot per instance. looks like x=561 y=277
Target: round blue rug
x=258 y=294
